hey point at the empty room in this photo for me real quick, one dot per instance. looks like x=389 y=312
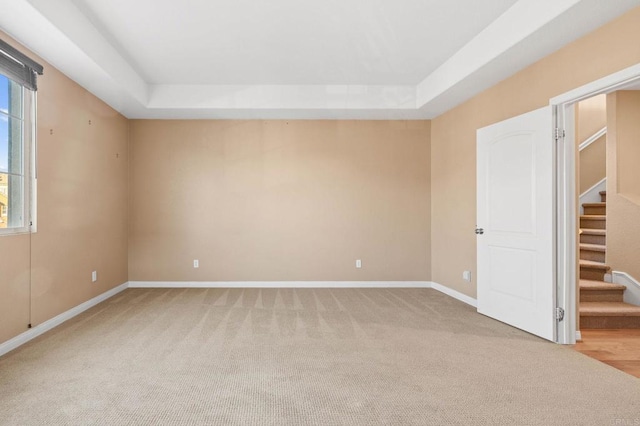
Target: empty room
x=349 y=212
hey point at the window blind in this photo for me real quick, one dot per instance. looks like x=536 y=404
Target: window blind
x=19 y=67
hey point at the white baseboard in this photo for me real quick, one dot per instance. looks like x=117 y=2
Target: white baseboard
x=455 y=294
x=39 y=329
x=305 y=284
x=279 y=284
x=632 y=293
x=591 y=139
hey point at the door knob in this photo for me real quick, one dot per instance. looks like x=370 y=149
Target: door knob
x=479 y=231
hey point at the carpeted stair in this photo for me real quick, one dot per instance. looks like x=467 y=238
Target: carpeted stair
x=601 y=303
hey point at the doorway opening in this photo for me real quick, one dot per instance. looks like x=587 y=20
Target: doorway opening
x=598 y=199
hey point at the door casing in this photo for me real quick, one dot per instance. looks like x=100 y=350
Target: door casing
x=566 y=192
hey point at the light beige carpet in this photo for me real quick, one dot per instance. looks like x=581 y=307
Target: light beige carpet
x=302 y=357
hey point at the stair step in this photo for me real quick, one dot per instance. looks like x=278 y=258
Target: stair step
x=589 y=231
x=593 y=252
x=593 y=221
x=593 y=236
x=595 y=208
x=609 y=315
x=590 y=270
x=593 y=247
x=594 y=265
x=600 y=291
x=592 y=285
x=603 y=196
x=600 y=309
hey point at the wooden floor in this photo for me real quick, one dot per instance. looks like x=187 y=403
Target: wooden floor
x=618 y=348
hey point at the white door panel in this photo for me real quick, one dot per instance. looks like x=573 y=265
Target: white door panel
x=507 y=263
x=511 y=169
x=515 y=210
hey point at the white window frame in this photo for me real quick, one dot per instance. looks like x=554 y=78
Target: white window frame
x=28 y=145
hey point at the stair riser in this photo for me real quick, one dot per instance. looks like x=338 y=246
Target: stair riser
x=602 y=296
x=591 y=274
x=595 y=210
x=596 y=256
x=593 y=239
x=587 y=223
x=603 y=322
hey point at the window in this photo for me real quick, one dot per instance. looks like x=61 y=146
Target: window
x=13 y=167
x=17 y=116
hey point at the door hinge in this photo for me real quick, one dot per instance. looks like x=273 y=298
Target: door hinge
x=559 y=314
x=559 y=133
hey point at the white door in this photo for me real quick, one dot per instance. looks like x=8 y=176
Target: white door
x=515 y=215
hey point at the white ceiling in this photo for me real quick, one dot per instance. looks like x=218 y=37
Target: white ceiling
x=369 y=59
x=284 y=42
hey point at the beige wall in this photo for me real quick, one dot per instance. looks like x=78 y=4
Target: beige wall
x=279 y=201
x=453 y=137
x=591 y=116
x=593 y=164
x=14 y=285
x=82 y=208
x=623 y=183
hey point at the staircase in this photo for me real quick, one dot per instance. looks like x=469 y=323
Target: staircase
x=601 y=303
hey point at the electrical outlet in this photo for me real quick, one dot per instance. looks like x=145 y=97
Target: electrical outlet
x=466 y=275
x=196 y=263
x=358 y=263
x=94 y=276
